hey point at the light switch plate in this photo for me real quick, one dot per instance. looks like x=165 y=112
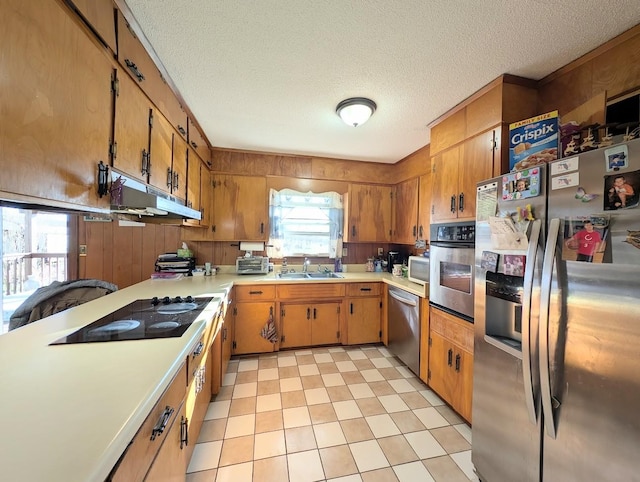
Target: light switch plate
x=344 y=252
x=380 y=251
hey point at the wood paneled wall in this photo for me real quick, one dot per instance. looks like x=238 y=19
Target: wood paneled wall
x=413 y=165
x=123 y=255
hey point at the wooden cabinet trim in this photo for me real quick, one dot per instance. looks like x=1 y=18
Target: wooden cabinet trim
x=258 y=292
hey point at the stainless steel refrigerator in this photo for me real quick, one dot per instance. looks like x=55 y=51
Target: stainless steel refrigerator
x=556 y=394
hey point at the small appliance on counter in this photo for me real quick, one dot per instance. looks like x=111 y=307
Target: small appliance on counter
x=393 y=257
x=252 y=265
x=172 y=263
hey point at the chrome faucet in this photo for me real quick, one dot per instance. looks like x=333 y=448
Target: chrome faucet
x=305 y=265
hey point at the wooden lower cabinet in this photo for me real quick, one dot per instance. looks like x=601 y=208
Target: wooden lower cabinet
x=197 y=401
x=249 y=320
x=450 y=372
x=171 y=462
x=424 y=339
x=307 y=324
x=364 y=313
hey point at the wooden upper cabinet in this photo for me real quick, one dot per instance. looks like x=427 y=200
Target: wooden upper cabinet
x=368 y=213
x=424 y=206
x=167 y=102
x=193 y=181
x=449 y=132
x=131 y=128
x=197 y=142
x=206 y=196
x=100 y=15
x=179 y=171
x=161 y=152
x=444 y=182
x=56 y=107
x=240 y=208
x=406 y=212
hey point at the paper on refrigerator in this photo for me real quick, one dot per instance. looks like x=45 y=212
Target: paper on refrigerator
x=505 y=235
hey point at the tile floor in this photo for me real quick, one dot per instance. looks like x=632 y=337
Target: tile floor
x=352 y=414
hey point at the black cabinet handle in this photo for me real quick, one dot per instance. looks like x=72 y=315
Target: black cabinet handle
x=259 y=292
x=145 y=162
x=184 y=432
x=308 y=313
x=103 y=179
x=461 y=202
x=194 y=145
x=134 y=70
x=351 y=308
x=449 y=357
x=169 y=178
x=162 y=423
x=414 y=230
x=458 y=362
x=453 y=203
x=365 y=289
x=421 y=231
x=224 y=334
x=181 y=130
x=261 y=228
x=176 y=181
x=213 y=228
x=198 y=349
x=314 y=313
x=353 y=230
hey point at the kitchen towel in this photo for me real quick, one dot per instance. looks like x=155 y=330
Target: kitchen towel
x=269 y=331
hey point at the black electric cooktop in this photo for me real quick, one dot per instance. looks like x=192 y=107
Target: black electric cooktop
x=141 y=320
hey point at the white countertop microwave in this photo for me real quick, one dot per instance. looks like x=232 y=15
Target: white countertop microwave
x=418 y=269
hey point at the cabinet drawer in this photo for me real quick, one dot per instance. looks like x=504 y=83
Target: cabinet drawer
x=194 y=359
x=136 y=460
x=255 y=292
x=454 y=329
x=311 y=291
x=364 y=289
x=197 y=143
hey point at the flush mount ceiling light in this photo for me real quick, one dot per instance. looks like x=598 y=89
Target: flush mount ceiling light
x=356 y=110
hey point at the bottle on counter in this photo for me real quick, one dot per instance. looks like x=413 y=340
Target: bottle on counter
x=337 y=265
x=368 y=267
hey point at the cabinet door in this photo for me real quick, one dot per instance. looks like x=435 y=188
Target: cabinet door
x=197 y=401
x=161 y=152
x=197 y=142
x=170 y=464
x=179 y=170
x=194 y=182
x=406 y=212
x=56 y=105
x=295 y=325
x=131 y=128
x=99 y=14
x=369 y=213
x=363 y=320
x=325 y=323
x=240 y=208
x=424 y=206
x=249 y=320
x=206 y=196
x=444 y=182
x=462 y=394
x=477 y=159
x=223 y=223
x=440 y=357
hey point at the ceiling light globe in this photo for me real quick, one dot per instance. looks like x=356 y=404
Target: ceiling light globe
x=356 y=111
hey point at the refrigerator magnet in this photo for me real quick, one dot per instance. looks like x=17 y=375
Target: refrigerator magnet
x=616 y=158
x=514 y=264
x=621 y=190
x=489 y=261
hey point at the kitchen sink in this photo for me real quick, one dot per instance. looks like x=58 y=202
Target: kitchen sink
x=305 y=276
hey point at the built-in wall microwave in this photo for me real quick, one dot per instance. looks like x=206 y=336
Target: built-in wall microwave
x=418 y=269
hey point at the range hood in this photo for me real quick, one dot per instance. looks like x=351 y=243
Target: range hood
x=139 y=199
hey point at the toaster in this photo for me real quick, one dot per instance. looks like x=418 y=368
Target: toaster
x=253 y=265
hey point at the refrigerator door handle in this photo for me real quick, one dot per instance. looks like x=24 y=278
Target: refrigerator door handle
x=545 y=301
x=527 y=375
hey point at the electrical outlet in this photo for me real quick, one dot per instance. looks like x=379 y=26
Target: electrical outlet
x=344 y=251
x=82 y=251
x=380 y=251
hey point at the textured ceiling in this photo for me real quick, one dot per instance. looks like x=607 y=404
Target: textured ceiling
x=267 y=75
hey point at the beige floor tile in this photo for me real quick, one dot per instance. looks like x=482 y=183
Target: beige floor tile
x=372 y=375
x=248 y=364
x=356 y=430
x=327 y=368
x=363 y=364
x=332 y=379
x=338 y=394
x=288 y=372
x=340 y=356
x=203 y=476
x=212 y=430
x=432 y=397
x=240 y=426
x=322 y=355
x=236 y=450
x=271 y=470
x=373 y=354
x=382 y=425
x=464 y=430
x=264 y=363
x=397 y=450
x=382 y=388
x=424 y=444
x=300 y=439
x=381 y=475
x=293 y=399
x=296 y=417
x=444 y=469
x=244 y=390
x=352 y=378
x=305 y=466
x=322 y=413
x=269 y=421
x=229 y=379
x=390 y=373
x=268 y=403
x=316 y=396
x=290 y=384
x=312 y=381
x=346 y=365
x=269 y=444
x=430 y=417
x=218 y=409
x=407 y=422
x=414 y=400
x=205 y=456
x=308 y=370
x=233 y=365
x=361 y=390
x=412 y=471
x=225 y=393
x=368 y=455
x=370 y=406
x=246 y=377
x=452 y=417
x=235 y=473
x=402 y=385
x=267 y=374
x=337 y=461
x=381 y=362
x=347 y=409
x=305 y=359
x=393 y=403
x=287 y=360
x=463 y=460
x=356 y=354
x=242 y=406
x=417 y=383
x=450 y=439
x=268 y=387
x=336 y=349
x=405 y=372
x=329 y=434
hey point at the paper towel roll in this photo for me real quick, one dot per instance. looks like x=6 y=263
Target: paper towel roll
x=251 y=246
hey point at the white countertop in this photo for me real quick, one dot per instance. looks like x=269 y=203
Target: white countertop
x=67 y=412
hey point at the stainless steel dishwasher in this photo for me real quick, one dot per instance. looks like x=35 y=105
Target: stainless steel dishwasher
x=404 y=327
